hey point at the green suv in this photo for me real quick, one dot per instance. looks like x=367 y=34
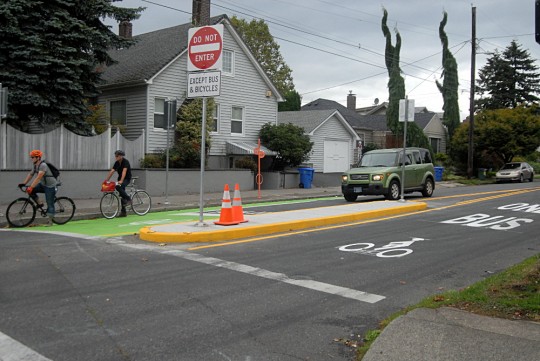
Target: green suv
x=379 y=173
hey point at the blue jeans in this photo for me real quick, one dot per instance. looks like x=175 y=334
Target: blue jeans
x=121 y=188
x=50 y=194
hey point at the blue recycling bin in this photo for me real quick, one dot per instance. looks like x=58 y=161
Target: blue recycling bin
x=438 y=173
x=306 y=177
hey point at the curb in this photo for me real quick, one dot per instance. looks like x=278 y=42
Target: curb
x=249 y=230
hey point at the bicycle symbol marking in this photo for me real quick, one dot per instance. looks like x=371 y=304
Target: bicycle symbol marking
x=392 y=249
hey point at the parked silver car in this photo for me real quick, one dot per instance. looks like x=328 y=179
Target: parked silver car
x=515 y=172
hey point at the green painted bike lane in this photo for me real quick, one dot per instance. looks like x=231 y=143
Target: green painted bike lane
x=131 y=224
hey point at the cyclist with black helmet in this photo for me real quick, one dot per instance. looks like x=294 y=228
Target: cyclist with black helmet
x=44 y=182
x=122 y=166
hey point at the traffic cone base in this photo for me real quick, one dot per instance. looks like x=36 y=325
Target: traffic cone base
x=237 y=210
x=226 y=214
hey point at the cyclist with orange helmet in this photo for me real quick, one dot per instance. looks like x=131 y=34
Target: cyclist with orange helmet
x=44 y=182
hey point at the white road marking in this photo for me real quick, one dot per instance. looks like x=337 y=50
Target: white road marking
x=13 y=350
x=255 y=271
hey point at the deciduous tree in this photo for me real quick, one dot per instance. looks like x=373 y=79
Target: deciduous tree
x=186 y=152
x=289 y=141
x=500 y=135
x=264 y=48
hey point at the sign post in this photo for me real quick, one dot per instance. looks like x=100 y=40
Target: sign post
x=205 y=48
x=406 y=114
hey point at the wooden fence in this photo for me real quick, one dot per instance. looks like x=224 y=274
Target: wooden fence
x=67 y=150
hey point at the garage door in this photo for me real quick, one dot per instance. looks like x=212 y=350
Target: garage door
x=336 y=156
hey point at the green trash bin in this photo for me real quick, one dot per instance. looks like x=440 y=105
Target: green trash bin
x=482 y=173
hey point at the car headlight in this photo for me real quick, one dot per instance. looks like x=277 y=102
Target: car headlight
x=378 y=177
x=344 y=178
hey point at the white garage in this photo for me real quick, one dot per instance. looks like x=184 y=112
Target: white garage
x=332 y=136
x=336 y=156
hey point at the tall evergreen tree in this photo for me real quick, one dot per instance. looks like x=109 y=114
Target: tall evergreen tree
x=51 y=53
x=450 y=86
x=396 y=83
x=396 y=90
x=263 y=46
x=508 y=80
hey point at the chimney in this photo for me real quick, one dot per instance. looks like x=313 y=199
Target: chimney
x=351 y=101
x=201 y=12
x=125 y=29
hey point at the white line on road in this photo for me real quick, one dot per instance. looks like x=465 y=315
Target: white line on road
x=255 y=271
x=13 y=350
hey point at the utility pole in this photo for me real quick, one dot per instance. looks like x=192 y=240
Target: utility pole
x=471 y=105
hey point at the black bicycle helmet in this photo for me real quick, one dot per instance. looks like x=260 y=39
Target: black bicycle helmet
x=120 y=152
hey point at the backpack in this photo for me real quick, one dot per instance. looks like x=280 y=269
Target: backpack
x=55 y=172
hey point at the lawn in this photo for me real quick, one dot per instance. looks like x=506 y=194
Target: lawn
x=511 y=294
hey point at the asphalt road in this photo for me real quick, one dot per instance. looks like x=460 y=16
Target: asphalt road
x=118 y=298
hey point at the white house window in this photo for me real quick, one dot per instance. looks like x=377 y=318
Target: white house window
x=228 y=62
x=435 y=144
x=237 y=120
x=159 y=113
x=215 y=125
x=117 y=112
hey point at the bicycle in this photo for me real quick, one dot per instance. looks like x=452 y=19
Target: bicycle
x=110 y=201
x=22 y=211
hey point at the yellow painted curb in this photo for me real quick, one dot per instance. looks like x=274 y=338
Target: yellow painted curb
x=229 y=232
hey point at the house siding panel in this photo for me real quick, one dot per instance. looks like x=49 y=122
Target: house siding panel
x=332 y=129
x=135 y=108
x=435 y=129
x=170 y=83
x=245 y=89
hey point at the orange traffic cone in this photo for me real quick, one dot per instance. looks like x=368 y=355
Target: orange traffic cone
x=237 y=211
x=226 y=215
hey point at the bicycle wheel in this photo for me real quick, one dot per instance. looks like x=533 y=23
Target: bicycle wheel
x=109 y=205
x=21 y=212
x=64 y=209
x=141 y=202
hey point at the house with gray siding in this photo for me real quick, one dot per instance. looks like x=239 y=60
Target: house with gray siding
x=370 y=122
x=155 y=69
x=334 y=140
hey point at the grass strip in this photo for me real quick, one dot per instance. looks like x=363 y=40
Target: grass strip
x=511 y=294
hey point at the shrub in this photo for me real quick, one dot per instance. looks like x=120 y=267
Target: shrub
x=246 y=163
x=153 y=160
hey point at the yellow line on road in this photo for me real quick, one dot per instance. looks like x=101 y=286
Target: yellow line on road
x=507 y=193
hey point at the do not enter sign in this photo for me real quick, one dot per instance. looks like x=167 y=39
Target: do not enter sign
x=205 y=46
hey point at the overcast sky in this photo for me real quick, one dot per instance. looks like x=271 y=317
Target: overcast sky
x=337 y=46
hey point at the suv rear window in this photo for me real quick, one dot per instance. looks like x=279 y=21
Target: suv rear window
x=426 y=156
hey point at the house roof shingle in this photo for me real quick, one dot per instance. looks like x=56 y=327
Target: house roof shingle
x=308 y=119
x=374 y=121
x=151 y=53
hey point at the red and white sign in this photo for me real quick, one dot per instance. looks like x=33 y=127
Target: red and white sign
x=205 y=46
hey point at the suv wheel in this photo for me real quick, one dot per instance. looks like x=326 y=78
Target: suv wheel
x=393 y=191
x=350 y=197
x=428 y=188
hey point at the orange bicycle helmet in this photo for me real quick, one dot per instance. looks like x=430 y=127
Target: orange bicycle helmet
x=36 y=153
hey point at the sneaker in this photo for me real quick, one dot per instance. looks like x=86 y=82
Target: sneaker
x=48 y=222
x=123 y=213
